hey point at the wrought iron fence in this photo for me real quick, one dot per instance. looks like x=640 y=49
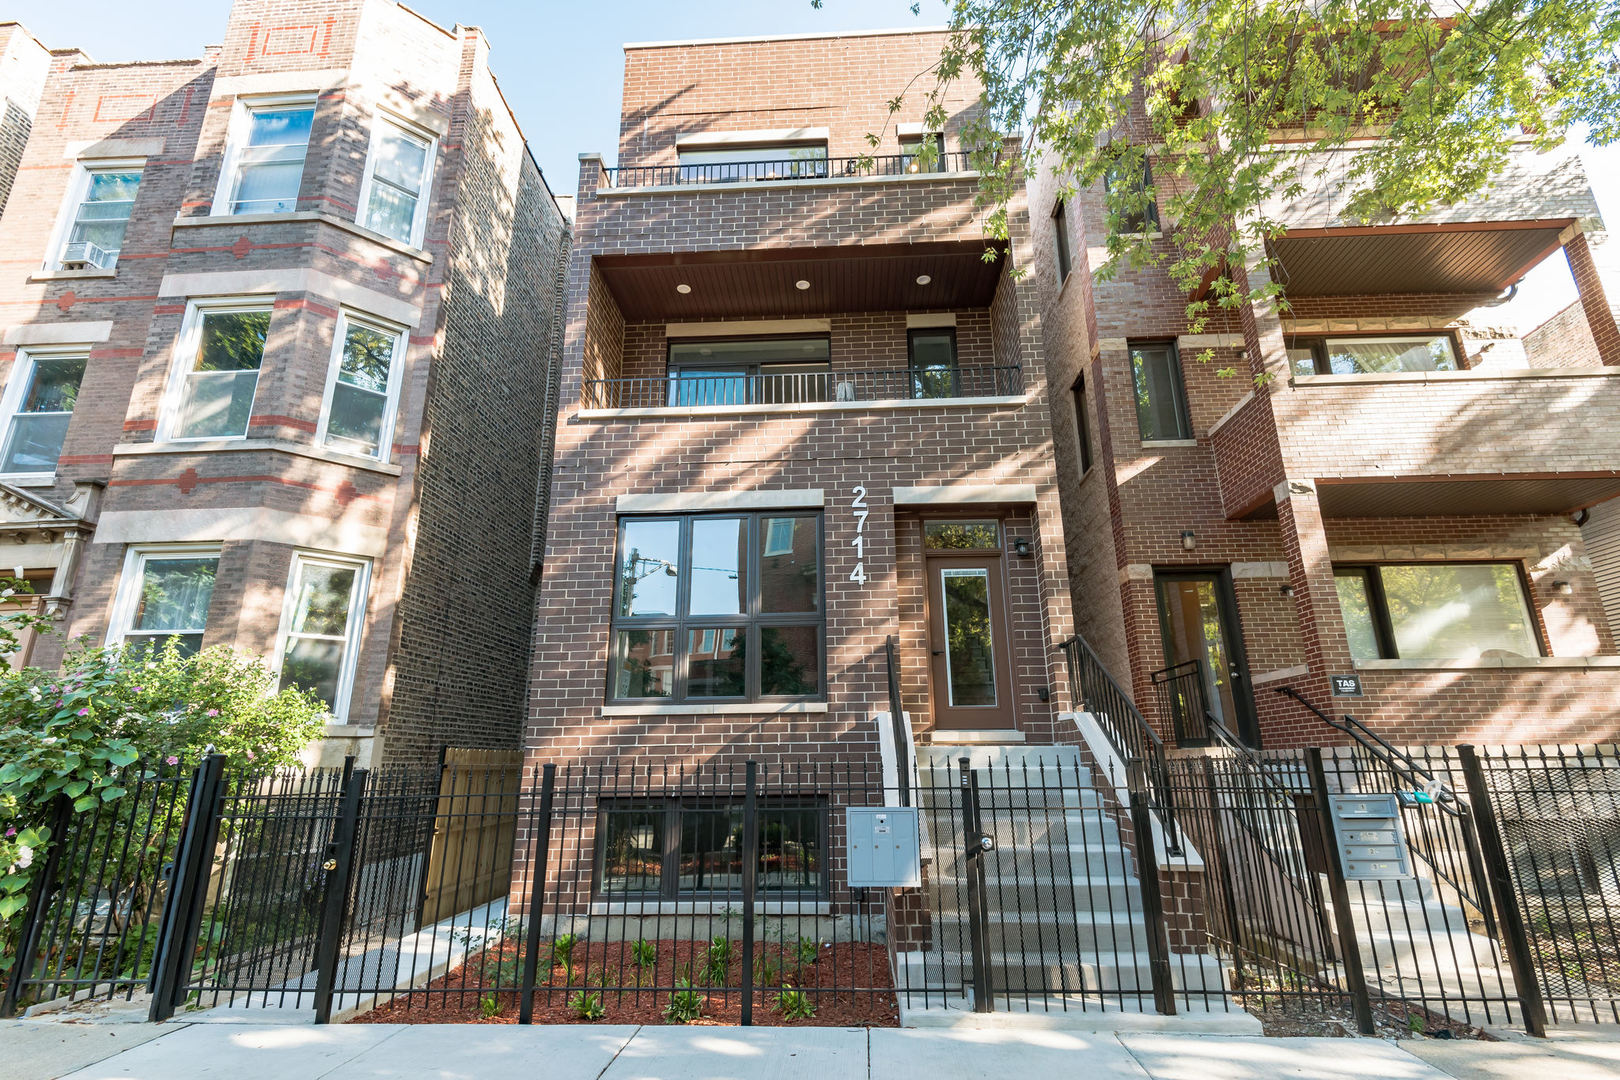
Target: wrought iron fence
x=787 y=168
x=706 y=389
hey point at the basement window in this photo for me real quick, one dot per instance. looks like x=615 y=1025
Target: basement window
x=692 y=848
x=1436 y=611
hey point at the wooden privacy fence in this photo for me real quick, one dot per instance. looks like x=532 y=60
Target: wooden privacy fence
x=470 y=859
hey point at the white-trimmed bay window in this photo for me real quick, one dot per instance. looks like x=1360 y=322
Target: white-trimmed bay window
x=36 y=408
x=362 y=386
x=216 y=371
x=164 y=593
x=399 y=168
x=264 y=155
x=321 y=620
x=100 y=199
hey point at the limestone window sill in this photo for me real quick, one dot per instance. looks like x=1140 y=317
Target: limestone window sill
x=218 y=446
x=209 y=220
x=1157 y=444
x=1470 y=375
x=1494 y=663
x=72 y=275
x=30 y=480
x=728 y=708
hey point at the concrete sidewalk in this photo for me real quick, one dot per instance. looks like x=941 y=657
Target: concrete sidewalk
x=37 y=1050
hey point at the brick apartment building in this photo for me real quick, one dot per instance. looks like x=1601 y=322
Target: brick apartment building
x=1403 y=502
x=800 y=414
x=277 y=329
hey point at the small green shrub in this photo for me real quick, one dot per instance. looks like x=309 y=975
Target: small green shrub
x=795 y=1004
x=717 y=961
x=562 y=951
x=587 y=1005
x=489 y=1007
x=766 y=971
x=685 y=1004
x=809 y=949
x=645 y=953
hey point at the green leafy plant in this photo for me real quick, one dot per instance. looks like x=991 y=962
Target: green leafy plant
x=644 y=952
x=562 y=952
x=587 y=1005
x=766 y=971
x=795 y=1004
x=685 y=1004
x=717 y=961
x=488 y=1007
x=808 y=951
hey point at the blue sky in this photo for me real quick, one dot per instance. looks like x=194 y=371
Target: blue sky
x=560 y=64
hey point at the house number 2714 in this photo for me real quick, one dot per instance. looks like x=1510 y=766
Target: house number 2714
x=858 y=542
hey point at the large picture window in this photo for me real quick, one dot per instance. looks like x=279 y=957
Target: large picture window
x=1436 y=611
x=1372 y=355
x=677 y=849
x=722 y=607
x=747 y=371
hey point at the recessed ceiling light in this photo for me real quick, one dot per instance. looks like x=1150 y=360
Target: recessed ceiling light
x=923 y=279
x=801 y=284
x=683 y=288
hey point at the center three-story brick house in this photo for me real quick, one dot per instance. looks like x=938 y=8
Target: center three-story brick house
x=277 y=328
x=801 y=413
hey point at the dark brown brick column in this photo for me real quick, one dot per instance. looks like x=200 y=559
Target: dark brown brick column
x=1599 y=316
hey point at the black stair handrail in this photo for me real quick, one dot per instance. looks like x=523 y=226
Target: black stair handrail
x=897 y=725
x=1127 y=731
x=1406 y=769
x=1183 y=698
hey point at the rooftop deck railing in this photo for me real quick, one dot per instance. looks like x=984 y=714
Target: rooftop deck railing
x=799 y=168
x=674 y=390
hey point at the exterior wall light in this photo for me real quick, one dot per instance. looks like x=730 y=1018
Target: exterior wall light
x=1563 y=588
x=1285 y=589
x=1022 y=548
x=1187 y=539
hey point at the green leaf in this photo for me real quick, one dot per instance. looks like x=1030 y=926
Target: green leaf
x=108 y=794
x=74 y=788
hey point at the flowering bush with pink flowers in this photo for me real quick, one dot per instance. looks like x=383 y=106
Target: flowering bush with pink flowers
x=83 y=730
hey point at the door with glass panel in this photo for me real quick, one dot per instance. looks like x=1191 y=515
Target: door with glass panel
x=969 y=648
x=1198 y=621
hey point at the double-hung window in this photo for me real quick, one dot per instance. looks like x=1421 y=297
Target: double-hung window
x=362 y=387
x=1372 y=354
x=692 y=848
x=102 y=198
x=718 y=607
x=746 y=371
x=1436 y=611
x=264 y=157
x=321 y=621
x=36 y=409
x=216 y=371
x=934 y=373
x=393 y=198
x=1129 y=187
x=164 y=594
x=1161 y=401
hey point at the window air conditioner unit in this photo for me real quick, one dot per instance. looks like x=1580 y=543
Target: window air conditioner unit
x=87 y=256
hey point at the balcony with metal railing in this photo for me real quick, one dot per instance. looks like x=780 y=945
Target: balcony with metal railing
x=790 y=168
x=806 y=390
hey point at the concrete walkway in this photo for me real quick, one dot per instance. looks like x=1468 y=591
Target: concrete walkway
x=38 y=1050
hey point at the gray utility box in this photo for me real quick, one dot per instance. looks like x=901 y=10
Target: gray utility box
x=881 y=847
x=1371 y=844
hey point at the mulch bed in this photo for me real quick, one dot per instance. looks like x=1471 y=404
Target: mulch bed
x=634 y=995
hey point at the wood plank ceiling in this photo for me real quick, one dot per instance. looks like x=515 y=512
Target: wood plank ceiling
x=1437 y=261
x=762 y=284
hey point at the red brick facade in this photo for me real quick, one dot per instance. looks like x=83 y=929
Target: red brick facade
x=445 y=513
x=1278 y=485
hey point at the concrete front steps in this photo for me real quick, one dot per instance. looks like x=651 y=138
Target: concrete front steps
x=1067 y=938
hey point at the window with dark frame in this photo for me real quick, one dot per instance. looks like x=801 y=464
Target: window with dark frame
x=1141 y=212
x=1060 y=230
x=1082 y=427
x=718 y=607
x=911 y=149
x=1436 y=611
x=691 y=848
x=749 y=370
x=932 y=351
x=1373 y=354
x=1161 y=399
x=721 y=163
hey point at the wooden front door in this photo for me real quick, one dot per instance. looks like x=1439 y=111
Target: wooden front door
x=970 y=655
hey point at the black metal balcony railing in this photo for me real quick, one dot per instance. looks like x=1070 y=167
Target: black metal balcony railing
x=737 y=172
x=709 y=389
